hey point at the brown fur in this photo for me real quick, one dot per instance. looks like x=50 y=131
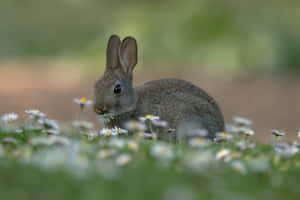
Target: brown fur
x=176 y=101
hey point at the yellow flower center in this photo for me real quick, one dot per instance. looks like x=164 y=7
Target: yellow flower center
x=132 y=146
x=198 y=140
x=248 y=132
x=106 y=116
x=108 y=132
x=223 y=134
x=163 y=152
x=118 y=130
x=148 y=116
x=83 y=99
x=9 y=119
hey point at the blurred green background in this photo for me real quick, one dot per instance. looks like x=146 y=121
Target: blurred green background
x=258 y=35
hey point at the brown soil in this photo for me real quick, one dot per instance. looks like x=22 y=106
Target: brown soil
x=272 y=103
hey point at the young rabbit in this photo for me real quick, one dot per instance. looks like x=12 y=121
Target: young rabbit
x=180 y=103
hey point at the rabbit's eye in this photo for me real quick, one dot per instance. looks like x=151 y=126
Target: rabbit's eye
x=117 y=89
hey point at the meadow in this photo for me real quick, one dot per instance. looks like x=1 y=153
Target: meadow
x=245 y=54
x=42 y=158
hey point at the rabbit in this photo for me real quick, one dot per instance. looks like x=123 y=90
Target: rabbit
x=178 y=102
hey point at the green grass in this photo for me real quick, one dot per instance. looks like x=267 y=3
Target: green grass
x=30 y=171
x=209 y=33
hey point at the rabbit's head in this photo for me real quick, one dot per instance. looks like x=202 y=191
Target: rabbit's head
x=114 y=93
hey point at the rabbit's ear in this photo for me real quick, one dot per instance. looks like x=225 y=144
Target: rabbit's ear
x=128 y=54
x=112 y=52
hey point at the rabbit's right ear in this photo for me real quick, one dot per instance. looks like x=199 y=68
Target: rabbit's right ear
x=112 y=52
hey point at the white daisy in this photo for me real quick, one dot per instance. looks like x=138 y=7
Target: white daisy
x=35 y=114
x=162 y=151
x=260 y=164
x=117 y=143
x=231 y=128
x=132 y=145
x=244 y=144
x=9 y=140
x=83 y=102
x=85 y=125
x=277 y=133
x=239 y=167
x=249 y=132
x=285 y=150
x=299 y=134
x=149 y=117
x=51 y=140
x=241 y=121
x=123 y=159
x=223 y=136
x=160 y=123
x=198 y=161
x=134 y=125
x=223 y=154
x=9 y=117
x=198 y=142
x=104 y=153
x=106 y=118
x=91 y=135
x=51 y=131
x=120 y=130
x=49 y=124
x=108 y=132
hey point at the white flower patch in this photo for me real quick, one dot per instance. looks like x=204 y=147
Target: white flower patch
x=120 y=131
x=229 y=128
x=9 y=117
x=149 y=117
x=223 y=136
x=91 y=135
x=260 y=164
x=239 y=167
x=108 y=132
x=132 y=145
x=244 y=144
x=51 y=131
x=117 y=143
x=198 y=161
x=134 y=125
x=49 y=124
x=285 y=150
x=241 y=121
x=9 y=140
x=223 y=154
x=105 y=153
x=85 y=125
x=162 y=151
x=35 y=114
x=160 y=123
x=123 y=159
x=51 y=140
x=106 y=118
x=199 y=142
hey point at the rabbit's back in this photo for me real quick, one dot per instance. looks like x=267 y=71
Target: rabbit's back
x=177 y=100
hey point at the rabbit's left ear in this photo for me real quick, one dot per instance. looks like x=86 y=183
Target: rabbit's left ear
x=128 y=54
